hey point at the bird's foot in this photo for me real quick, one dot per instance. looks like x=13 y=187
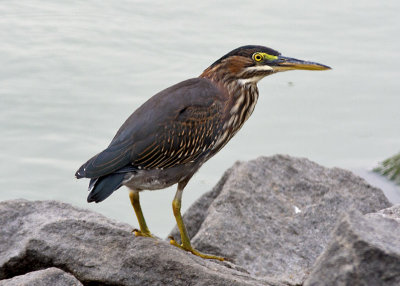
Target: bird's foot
x=194 y=251
x=137 y=232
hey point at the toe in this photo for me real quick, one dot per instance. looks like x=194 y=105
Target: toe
x=137 y=232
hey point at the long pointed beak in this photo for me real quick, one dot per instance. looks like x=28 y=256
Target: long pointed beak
x=285 y=63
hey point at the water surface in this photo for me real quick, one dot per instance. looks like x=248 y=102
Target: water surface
x=73 y=71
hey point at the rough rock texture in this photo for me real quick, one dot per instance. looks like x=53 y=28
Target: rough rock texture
x=274 y=215
x=364 y=250
x=393 y=212
x=51 y=276
x=99 y=251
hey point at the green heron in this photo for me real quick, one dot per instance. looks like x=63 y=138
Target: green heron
x=167 y=139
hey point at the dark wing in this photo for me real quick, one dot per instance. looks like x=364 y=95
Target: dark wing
x=191 y=134
x=173 y=127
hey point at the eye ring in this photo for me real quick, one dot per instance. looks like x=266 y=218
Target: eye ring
x=258 y=57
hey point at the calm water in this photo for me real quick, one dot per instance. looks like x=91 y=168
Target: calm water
x=72 y=71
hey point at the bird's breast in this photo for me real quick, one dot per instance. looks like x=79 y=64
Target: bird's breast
x=243 y=99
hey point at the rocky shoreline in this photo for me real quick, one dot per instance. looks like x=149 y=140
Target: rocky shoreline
x=281 y=220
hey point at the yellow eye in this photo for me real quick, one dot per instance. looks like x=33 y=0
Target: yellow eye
x=257 y=57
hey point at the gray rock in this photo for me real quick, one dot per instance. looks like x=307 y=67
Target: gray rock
x=274 y=215
x=364 y=250
x=51 y=276
x=393 y=213
x=99 y=251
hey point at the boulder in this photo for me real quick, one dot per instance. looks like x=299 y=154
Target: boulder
x=364 y=250
x=100 y=251
x=50 y=276
x=274 y=215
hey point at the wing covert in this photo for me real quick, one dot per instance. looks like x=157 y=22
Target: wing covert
x=183 y=140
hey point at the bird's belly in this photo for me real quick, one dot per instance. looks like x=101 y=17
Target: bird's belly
x=156 y=179
x=138 y=181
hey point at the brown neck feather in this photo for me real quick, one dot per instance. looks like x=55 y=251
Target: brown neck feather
x=241 y=98
x=227 y=70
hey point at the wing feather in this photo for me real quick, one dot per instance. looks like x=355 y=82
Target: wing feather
x=173 y=127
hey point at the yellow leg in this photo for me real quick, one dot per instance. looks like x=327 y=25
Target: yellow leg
x=186 y=245
x=144 y=230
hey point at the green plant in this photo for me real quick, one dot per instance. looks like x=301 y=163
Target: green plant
x=390 y=168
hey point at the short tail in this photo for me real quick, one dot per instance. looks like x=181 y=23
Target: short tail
x=102 y=187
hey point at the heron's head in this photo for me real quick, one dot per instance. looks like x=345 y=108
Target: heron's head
x=249 y=64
